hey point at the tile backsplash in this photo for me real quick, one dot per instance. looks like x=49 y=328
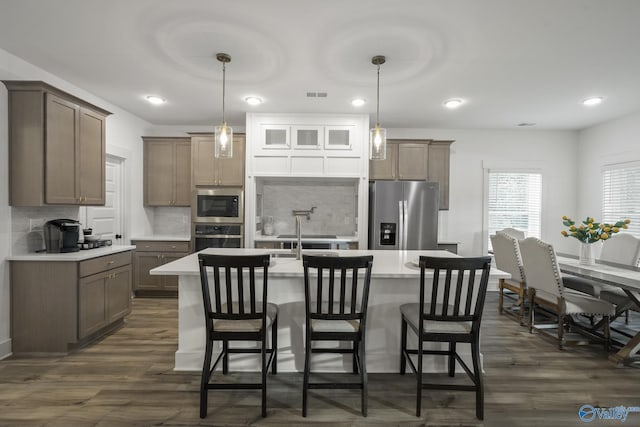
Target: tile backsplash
x=24 y=241
x=335 y=202
x=172 y=221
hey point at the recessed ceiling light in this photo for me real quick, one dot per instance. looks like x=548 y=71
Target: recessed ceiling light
x=590 y=102
x=358 y=102
x=156 y=100
x=453 y=103
x=253 y=100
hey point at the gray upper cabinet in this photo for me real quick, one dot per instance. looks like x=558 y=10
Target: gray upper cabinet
x=209 y=171
x=56 y=147
x=167 y=171
x=415 y=160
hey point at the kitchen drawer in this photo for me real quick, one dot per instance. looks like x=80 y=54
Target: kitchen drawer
x=161 y=246
x=96 y=265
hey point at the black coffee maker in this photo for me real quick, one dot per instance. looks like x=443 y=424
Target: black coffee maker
x=61 y=235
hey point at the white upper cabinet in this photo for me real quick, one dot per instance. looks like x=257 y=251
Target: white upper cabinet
x=307 y=145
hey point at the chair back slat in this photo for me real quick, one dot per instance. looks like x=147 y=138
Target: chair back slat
x=235 y=298
x=459 y=299
x=327 y=301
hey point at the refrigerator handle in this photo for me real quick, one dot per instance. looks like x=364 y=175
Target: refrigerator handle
x=401 y=224
x=405 y=228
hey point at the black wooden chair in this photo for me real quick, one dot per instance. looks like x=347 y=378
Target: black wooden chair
x=237 y=311
x=448 y=310
x=337 y=311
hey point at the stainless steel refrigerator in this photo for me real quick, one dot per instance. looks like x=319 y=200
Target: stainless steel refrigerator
x=403 y=215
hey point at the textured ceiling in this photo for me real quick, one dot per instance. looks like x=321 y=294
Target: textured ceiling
x=512 y=61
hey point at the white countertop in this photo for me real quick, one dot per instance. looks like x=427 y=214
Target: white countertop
x=72 y=256
x=159 y=237
x=386 y=264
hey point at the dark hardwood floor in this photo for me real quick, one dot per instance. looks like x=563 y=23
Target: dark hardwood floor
x=126 y=379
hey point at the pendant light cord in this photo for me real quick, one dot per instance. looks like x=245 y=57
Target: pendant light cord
x=224 y=79
x=378 y=99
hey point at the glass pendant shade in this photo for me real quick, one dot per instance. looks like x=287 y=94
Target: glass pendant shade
x=223 y=134
x=377 y=143
x=223 y=142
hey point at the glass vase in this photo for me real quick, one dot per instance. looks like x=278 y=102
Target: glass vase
x=586 y=254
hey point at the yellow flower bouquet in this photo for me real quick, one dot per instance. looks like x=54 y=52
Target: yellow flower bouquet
x=591 y=231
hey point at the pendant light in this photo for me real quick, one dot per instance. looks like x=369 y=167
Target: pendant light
x=223 y=142
x=378 y=135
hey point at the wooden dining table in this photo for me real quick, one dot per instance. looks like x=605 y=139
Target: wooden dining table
x=622 y=276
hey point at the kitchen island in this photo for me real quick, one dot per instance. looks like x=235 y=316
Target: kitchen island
x=395 y=281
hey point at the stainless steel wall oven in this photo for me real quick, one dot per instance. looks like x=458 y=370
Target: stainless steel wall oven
x=217 y=236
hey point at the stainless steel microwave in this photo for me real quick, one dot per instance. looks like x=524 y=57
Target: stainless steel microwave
x=218 y=205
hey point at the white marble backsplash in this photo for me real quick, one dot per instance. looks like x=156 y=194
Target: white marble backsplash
x=24 y=241
x=172 y=221
x=335 y=213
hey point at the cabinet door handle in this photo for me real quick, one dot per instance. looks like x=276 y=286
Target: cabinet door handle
x=111 y=262
x=173 y=247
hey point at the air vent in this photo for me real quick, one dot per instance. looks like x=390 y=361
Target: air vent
x=316 y=94
x=524 y=124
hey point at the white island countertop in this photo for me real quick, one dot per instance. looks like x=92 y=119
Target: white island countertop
x=386 y=263
x=394 y=281
x=72 y=256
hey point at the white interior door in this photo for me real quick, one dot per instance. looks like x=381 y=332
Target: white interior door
x=107 y=220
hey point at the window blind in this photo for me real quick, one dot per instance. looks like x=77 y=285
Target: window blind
x=515 y=202
x=621 y=195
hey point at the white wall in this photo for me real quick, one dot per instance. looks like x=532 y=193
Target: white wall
x=552 y=150
x=123 y=138
x=613 y=142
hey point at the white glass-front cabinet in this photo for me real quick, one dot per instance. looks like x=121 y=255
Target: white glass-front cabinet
x=338 y=137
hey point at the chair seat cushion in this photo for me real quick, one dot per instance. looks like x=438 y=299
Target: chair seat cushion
x=248 y=325
x=577 y=303
x=411 y=313
x=322 y=325
x=580 y=284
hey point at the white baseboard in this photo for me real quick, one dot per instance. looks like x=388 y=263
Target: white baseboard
x=5 y=349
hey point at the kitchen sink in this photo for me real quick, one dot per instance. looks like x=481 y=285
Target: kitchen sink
x=293 y=255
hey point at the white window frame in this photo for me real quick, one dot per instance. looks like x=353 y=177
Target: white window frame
x=634 y=226
x=523 y=168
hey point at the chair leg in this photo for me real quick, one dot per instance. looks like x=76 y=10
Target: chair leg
x=419 y=379
x=403 y=346
x=523 y=295
x=364 y=379
x=305 y=382
x=225 y=357
x=274 y=346
x=532 y=309
x=204 y=380
x=607 y=333
x=263 y=355
x=356 y=351
x=477 y=372
x=501 y=296
x=561 y=331
x=452 y=359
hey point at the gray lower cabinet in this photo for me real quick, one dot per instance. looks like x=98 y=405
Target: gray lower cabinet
x=60 y=305
x=151 y=254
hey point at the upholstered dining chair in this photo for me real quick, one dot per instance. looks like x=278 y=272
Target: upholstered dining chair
x=620 y=249
x=513 y=232
x=236 y=310
x=546 y=289
x=506 y=253
x=449 y=310
x=336 y=294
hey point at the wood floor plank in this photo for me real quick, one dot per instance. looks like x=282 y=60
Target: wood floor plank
x=127 y=379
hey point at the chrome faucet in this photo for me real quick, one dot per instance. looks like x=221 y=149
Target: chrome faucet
x=299 y=214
